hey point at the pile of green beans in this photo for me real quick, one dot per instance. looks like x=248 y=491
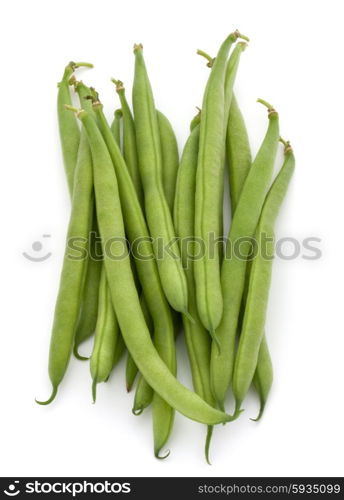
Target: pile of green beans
x=146 y=256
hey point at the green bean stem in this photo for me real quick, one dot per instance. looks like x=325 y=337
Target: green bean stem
x=233 y=270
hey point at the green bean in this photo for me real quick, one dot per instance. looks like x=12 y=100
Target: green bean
x=118 y=271
x=129 y=140
x=170 y=158
x=231 y=71
x=242 y=230
x=157 y=212
x=131 y=368
x=238 y=152
x=146 y=266
x=143 y=396
x=259 y=283
x=106 y=337
x=89 y=304
x=69 y=297
x=130 y=157
x=239 y=163
x=68 y=125
x=116 y=127
x=197 y=339
x=209 y=191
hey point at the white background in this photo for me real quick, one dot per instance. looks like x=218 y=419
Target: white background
x=294 y=60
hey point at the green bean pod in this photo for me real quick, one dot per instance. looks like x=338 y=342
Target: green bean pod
x=239 y=162
x=68 y=124
x=89 y=306
x=170 y=158
x=197 y=339
x=106 y=337
x=233 y=270
x=209 y=191
x=162 y=412
x=259 y=284
x=239 y=157
x=231 y=72
x=130 y=157
x=72 y=279
x=129 y=140
x=116 y=127
x=157 y=212
x=131 y=320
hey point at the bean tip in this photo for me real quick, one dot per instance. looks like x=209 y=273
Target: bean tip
x=161 y=457
x=51 y=399
x=137 y=47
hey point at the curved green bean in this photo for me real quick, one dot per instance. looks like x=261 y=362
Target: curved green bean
x=259 y=283
x=69 y=297
x=145 y=264
x=130 y=318
x=106 y=337
x=170 y=158
x=157 y=212
x=233 y=270
x=209 y=191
